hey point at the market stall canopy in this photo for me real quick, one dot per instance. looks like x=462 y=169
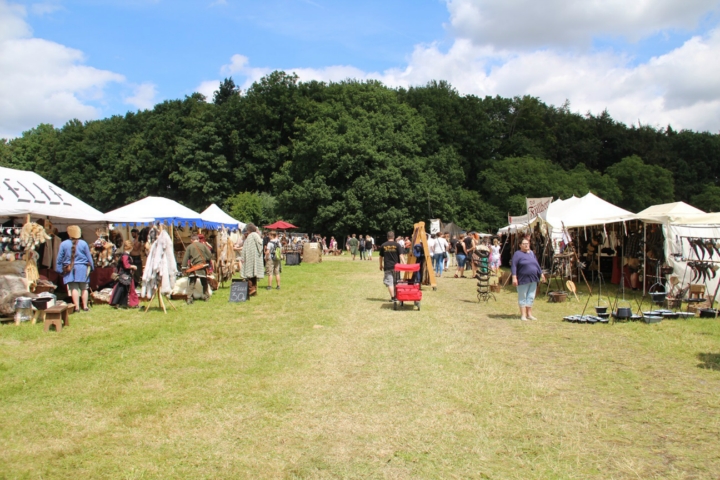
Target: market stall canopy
x=215 y=217
x=451 y=228
x=584 y=212
x=280 y=225
x=155 y=209
x=23 y=193
x=668 y=212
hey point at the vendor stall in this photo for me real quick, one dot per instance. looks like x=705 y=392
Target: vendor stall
x=33 y=212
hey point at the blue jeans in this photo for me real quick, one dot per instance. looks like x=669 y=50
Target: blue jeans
x=438 y=263
x=526 y=294
x=460 y=260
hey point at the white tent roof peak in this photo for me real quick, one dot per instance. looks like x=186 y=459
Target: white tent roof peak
x=155 y=209
x=214 y=214
x=23 y=193
x=670 y=209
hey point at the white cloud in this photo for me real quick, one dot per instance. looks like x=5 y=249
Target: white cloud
x=208 y=88
x=44 y=8
x=12 y=23
x=680 y=88
x=143 y=97
x=43 y=81
x=529 y=23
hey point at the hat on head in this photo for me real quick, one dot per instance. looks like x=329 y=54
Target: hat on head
x=73 y=231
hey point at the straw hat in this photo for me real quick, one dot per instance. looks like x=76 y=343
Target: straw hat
x=73 y=231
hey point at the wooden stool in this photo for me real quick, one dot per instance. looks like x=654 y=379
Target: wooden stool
x=58 y=316
x=696 y=291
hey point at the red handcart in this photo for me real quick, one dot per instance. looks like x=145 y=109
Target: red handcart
x=406 y=291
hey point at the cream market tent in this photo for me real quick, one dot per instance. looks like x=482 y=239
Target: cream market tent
x=214 y=215
x=681 y=221
x=25 y=193
x=155 y=209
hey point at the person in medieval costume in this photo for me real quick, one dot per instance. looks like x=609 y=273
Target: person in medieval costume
x=74 y=263
x=252 y=259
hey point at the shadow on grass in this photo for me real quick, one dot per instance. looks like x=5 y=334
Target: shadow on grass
x=709 y=360
x=377 y=299
x=503 y=316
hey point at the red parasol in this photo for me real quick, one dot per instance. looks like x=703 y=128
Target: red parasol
x=280 y=225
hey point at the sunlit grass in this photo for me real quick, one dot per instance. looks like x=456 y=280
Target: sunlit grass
x=322 y=379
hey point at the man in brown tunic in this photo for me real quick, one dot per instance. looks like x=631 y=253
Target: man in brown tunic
x=197 y=254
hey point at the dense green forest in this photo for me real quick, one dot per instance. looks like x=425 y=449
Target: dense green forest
x=362 y=157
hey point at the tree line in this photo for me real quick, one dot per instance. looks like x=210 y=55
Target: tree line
x=358 y=156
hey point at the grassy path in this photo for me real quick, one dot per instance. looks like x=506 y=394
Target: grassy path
x=324 y=380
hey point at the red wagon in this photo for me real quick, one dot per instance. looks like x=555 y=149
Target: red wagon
x=407 y=291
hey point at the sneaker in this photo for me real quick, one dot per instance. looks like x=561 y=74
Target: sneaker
x=277 y=288
x=523 y=319
x=268 y=287
x=531 y=318
x=189 y=301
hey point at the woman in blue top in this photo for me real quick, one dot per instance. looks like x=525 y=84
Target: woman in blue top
x=526 y=272
x=74 y=262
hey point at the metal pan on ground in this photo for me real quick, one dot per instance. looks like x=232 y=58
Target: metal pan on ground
x=652 y=319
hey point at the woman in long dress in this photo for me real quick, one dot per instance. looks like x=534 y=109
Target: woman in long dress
x=124 y=296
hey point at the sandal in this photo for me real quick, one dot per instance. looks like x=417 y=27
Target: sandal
x=456 y=276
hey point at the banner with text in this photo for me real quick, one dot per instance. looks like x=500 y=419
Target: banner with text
x=537 y=207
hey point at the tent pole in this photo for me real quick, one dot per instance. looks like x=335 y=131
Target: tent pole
x=644 y=256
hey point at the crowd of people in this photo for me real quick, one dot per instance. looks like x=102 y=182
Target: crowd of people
x=259 y=256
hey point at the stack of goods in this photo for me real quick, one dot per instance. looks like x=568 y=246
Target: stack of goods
x=483 y=276
x=13 y=285
x=10 y=243
x=160 y=268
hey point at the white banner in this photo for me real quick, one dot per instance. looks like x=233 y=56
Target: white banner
x=434 y=226
x=537 y=207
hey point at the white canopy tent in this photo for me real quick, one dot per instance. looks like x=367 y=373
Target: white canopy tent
x=155 y=209
x=25 y=193
x=681 y=221
x=215 y=215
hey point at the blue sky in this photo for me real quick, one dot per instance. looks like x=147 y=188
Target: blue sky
x=649 y=62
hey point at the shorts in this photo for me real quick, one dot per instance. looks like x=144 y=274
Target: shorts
x=389 y=278
x=79 y=286
x=272 y=267
x=460 y=260
x=526 y=294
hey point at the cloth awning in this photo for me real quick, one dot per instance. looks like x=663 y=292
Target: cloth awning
x=23 y=193
x=155 y=209
x=215 y=217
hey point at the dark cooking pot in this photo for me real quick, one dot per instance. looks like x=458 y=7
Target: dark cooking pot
x=600 y=310
x=658 y=297
x=623 y=312
x=41 y=303
x=708 y=313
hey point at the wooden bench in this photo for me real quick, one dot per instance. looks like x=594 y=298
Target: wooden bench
x=57 y=315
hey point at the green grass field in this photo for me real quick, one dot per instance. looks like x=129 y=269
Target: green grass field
x=322 y=379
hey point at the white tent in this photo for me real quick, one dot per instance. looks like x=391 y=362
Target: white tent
x=155 y=209
x=669 y=212
x=27 y=193
x=215 y=215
